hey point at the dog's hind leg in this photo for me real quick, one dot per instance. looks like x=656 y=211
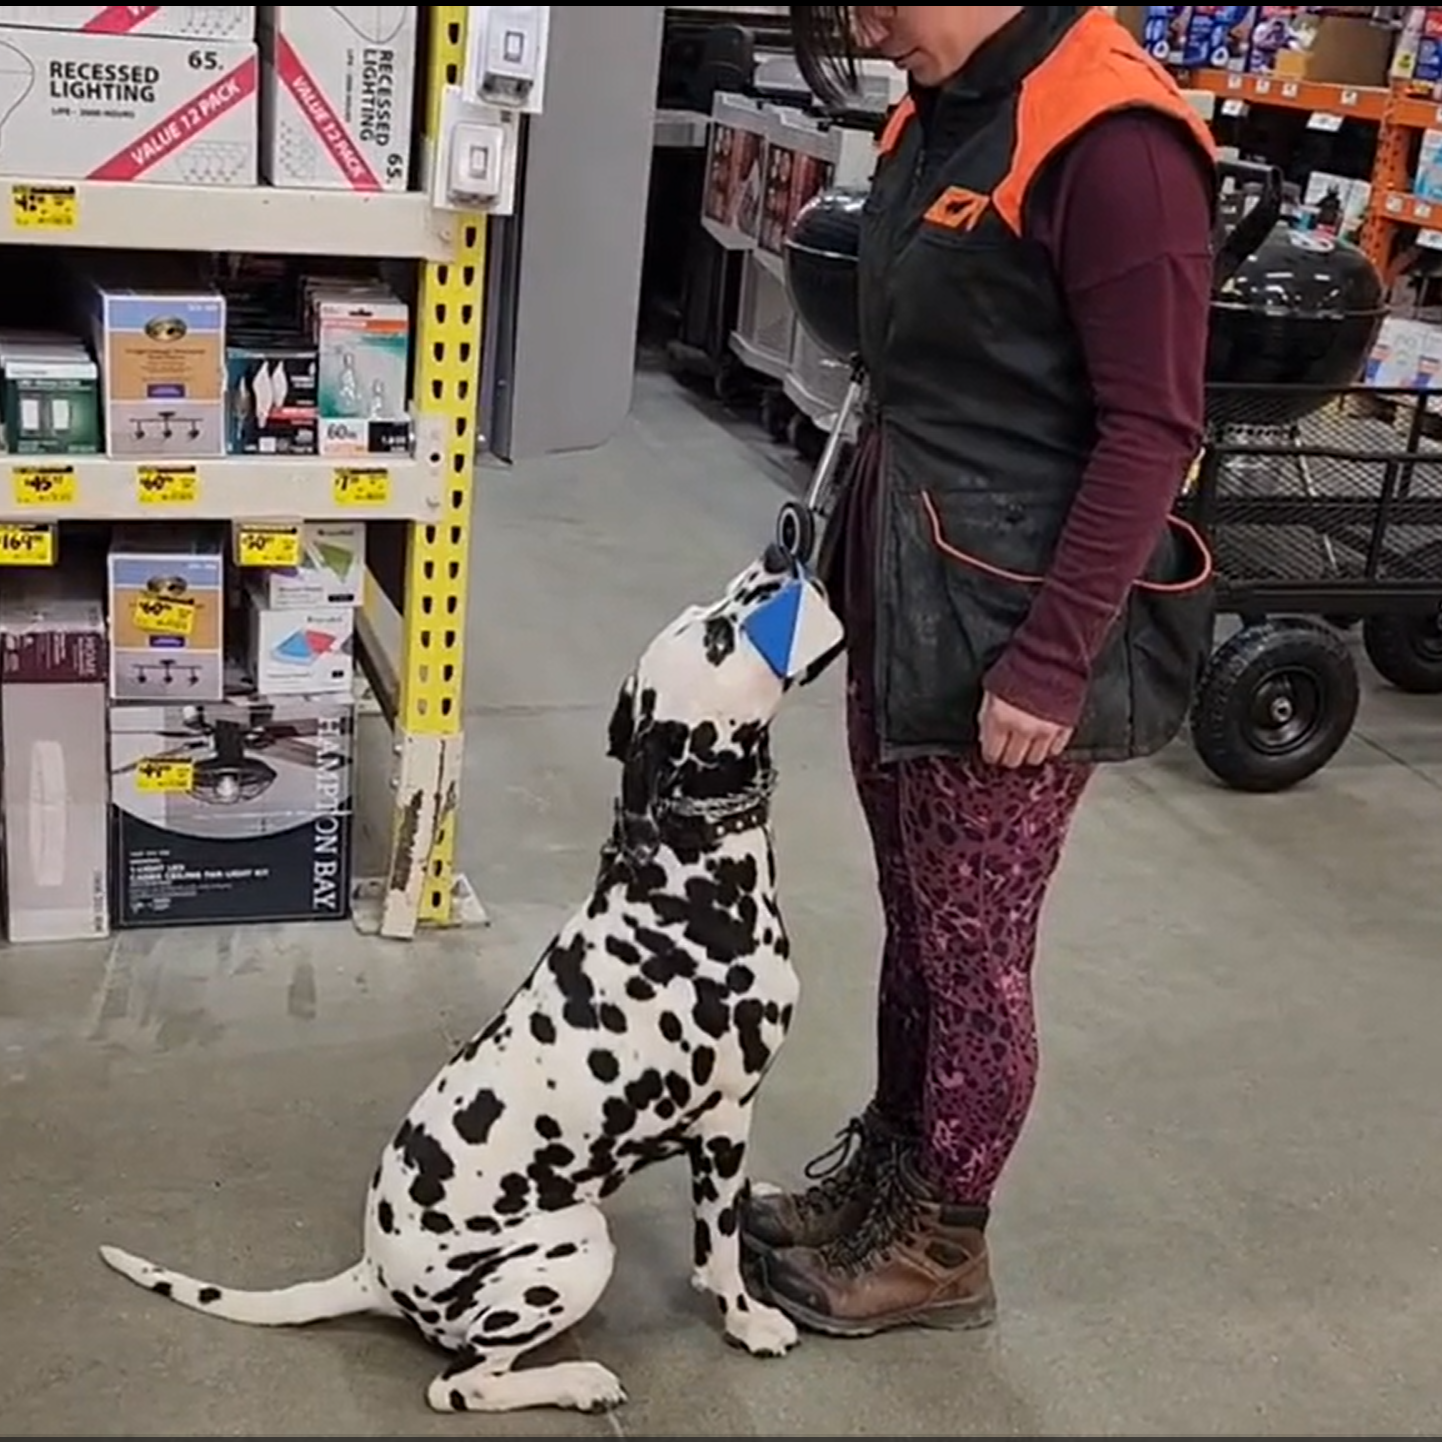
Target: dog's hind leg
x=718 y=1178
x=546 y=1275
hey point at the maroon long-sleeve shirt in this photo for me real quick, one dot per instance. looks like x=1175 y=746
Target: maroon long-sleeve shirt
x=1126 y=217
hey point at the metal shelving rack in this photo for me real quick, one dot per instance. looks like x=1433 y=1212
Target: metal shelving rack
x=431 y=493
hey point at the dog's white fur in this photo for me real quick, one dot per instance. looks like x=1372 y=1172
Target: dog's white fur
x=643 y=1032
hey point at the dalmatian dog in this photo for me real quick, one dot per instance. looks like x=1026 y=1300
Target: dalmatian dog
x=641 y=1034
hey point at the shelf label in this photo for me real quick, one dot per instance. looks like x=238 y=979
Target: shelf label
x=1350 y=98
x=167 y=485
x=1320 y=120
x=22 y=544
x=276 y=546
x=162 y=776
x=44 y=485
x=1232 y=108
x=164 y=615
x=362 y=486
x=44 y=207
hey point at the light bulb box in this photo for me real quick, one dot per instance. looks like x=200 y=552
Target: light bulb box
x=78 y=106
x=184 y=22
x=160 y=338
x=52 y=714
x=270 y=395
x=167 y=609
x=232 y=811
x=362 y=340
x=331 y=570
x=337 y=93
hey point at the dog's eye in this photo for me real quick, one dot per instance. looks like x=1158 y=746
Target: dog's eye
x=719 y=639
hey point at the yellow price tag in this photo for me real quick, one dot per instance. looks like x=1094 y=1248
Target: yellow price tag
x=162 y=777
x=164 y=615
x=44 y=485
x=26 y=545
x=277 y=546
x=167 y=485
x=362 y=486
x=44 y=207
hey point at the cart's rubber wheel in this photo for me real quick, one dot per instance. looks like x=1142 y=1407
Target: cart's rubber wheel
x=1275 y=705
x=1406 y=650
x=776 y=413
x=796 y=531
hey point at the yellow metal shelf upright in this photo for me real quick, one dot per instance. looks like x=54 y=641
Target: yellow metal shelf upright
x=420 y=886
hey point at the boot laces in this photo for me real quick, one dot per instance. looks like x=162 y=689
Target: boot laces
x=890 y=1220
x=834 y=1173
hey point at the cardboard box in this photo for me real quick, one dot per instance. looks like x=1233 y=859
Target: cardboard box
x=244 y=815
x=49 y=396
x=308 y=652
x=1332 y=49
x=184 y=22
x=52 y=704
x=167 y=604
x=270 y=395
x=130 y=107
x=1219 y=37
x=362 y=336
x=1417 y=59
x=338 y=88
x=331 y=570
x=161 y=348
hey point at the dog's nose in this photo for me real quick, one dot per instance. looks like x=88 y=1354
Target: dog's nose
x=777 y=560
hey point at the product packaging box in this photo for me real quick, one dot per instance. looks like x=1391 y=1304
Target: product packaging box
x=167 y=604
x=52 y=707
x=1427 y=182
x=1417 y=59
x=1161 y=29
x=362 y=337
x=161 y=348
x=309 y=652
x=184 y=22
x=331 y=570
x=338 y=88
x=236 y=811
x=270 y=395
x=127 y=107
x=1312 y=42
x=49 y=395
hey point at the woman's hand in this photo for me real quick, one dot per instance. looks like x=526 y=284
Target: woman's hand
x=1011 y=737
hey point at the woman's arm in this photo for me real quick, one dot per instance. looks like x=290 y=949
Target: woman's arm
x=1127 y=219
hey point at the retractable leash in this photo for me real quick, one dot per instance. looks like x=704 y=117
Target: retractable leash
x=799 y=524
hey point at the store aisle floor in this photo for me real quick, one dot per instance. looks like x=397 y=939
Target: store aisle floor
x=1223 y=1220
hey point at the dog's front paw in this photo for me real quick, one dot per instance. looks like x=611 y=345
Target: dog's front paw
x=762 y=1331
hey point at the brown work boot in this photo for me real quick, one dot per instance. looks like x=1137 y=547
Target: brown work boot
x=843 y=1178
x=913 y=1260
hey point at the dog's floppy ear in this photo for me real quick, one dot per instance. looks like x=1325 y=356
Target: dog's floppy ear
x=621 y=731
x=796 y=631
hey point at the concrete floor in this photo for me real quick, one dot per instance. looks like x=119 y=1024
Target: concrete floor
x=1223 y=1220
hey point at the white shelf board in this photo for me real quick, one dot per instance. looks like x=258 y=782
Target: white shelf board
x=258 y=220
x=244 y=488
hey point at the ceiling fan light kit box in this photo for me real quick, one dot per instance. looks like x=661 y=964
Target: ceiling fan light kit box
x=232 y=812
x=53 y=674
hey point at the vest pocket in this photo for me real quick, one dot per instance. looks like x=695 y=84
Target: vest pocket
x=1144 y=677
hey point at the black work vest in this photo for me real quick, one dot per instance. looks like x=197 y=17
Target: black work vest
x=986 y=413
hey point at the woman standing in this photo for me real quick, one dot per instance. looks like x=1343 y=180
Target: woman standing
x=1035 y=275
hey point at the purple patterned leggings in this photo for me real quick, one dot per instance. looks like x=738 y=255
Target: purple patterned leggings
x=964 y=855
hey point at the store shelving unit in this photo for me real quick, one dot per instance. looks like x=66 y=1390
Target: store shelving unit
x=1399 y=118
x=430 y=492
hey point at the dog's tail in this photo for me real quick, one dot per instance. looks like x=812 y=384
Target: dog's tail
x=343 y=1295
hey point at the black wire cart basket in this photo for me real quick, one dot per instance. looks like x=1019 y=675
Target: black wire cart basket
x=1319 y=522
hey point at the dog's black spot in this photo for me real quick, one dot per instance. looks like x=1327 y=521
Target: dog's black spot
x=646 y=1090
x=703 y=1063
x=711 y=1014
x=639 y=989
x=613 y=1017
x=499 y=1321
x=475 y=1120
x=207 y=1295
x=540 y=1296
x=428 y=1159
x=403 y=1301
x=719 y=639
x=670 y=1026
x=726 y=1156
x=482 y=1224
x=665 y=961
x=748 y=1021
x=386 y=1217
x=457 y=1401
x=567 y=963
x=617 y=1117
x=562 y=1250
x=740 y=978
x=543 y=1028
x=515 y=1193
x=726 y=1221
x=701 y=1243
x=548 y=1127
x=623 y=950
x=161 y=1289
x=437 y=1222
x=604 y=1066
